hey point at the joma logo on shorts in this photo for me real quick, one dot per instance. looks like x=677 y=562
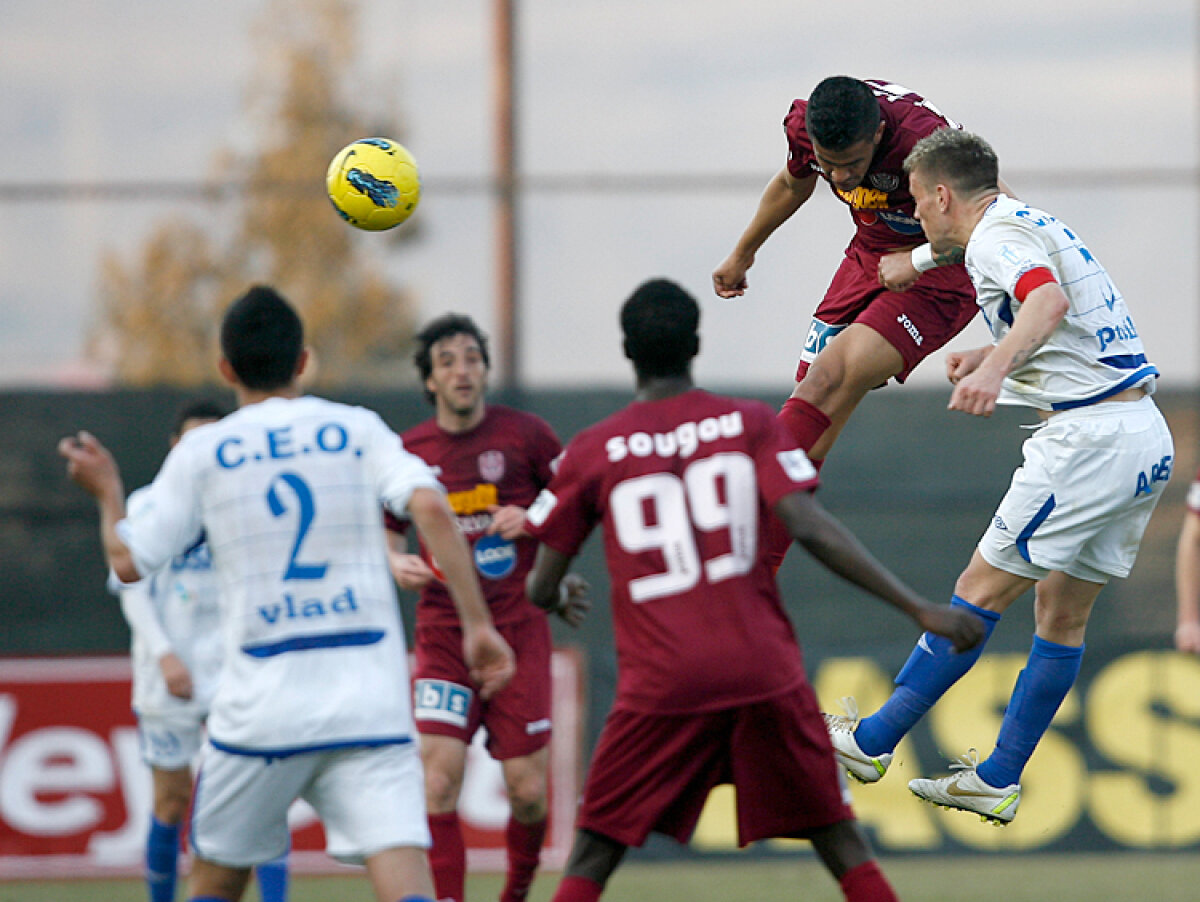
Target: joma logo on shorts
x=911 y=328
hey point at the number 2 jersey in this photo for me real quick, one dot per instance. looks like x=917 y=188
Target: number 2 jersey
x=287 y=495
x=683 y=486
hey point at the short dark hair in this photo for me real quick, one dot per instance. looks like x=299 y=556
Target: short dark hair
x=661 y=324
x=961 y=159
x=262 y=338
x=841 y=111
x=444 y=327
x=198 y=409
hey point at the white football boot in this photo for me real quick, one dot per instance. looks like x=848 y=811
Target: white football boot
x=965 y=790
x=862 y=767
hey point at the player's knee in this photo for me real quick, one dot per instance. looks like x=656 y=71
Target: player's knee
x=441 y=790
x=527 y=796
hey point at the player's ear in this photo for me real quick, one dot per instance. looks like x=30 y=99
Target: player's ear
x=625 y=348
x=225 y=368
x=301 y=363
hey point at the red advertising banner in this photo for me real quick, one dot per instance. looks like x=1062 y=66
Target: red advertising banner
x=75 y=797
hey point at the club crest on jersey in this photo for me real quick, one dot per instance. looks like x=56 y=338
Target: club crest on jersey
x=884 y=181
x=491 y=465
x=495 y=557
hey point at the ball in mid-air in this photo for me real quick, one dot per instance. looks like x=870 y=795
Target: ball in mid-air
x=374 y=184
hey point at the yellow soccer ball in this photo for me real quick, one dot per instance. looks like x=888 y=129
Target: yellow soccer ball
x=374 y=184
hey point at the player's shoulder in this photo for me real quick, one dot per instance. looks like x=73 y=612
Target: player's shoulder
x=422 y=432
x=509 y=417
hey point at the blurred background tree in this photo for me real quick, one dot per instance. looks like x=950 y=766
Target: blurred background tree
x=158 y=310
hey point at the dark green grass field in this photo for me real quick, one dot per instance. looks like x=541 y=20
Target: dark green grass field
x=1041 y=878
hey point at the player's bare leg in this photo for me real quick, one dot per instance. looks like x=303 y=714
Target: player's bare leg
x=210 y=880
x=852 y=364
x=525 y=779
x=843 y=850
x=592 y=861
x=400 y=873
x=444 y=759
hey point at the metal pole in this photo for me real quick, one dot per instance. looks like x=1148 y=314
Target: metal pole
x=507 y=282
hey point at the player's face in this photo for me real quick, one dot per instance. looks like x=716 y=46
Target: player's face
x=458 y=377
x=847 y=168
x=934 y=222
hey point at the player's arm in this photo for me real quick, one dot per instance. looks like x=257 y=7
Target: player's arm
x=553 y=589
x=783 y=196
x=487 y=654
x=408 y=570
x=1042 y=309
x=1187 y=584
x=91 y=466
x=137 y=604
x=826 y=539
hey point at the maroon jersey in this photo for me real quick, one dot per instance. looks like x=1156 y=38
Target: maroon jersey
x=882 y=207
x=504 y=460
x=683 y=487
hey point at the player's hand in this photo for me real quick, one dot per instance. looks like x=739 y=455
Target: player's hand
x=961 y=627
x=896 y=272
x=410 y=571
x=976 y=394
x=90 y=465
x=489 y=659
x=176 y=674
x=508 y=522
x=1187 y=638
x=729 y=279
x=963 y=363
x=573 y=602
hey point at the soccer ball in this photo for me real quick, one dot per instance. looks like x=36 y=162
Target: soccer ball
x=374 y=184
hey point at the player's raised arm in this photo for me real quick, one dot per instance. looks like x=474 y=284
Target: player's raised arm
x=91 y=466
x=552 y=588
x=783 y=196
x=485 y=651
x=826 y=539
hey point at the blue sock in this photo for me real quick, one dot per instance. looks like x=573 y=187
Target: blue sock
x=1041 y=687
x=162 y=855
x=415 y=899
x=272 y=877
x=931 y=669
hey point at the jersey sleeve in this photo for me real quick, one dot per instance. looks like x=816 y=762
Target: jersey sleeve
x=397 y=471
x=1005 y=252
x=545 y=449
x=141 y=613
x=801 y=162
x=166 y=521
x=565 y=512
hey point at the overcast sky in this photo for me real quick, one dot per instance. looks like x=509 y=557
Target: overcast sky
x=100 y=90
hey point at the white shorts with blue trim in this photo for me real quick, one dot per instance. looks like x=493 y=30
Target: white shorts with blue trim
x=368 y=799
x=1081 y=500
x=170 y=741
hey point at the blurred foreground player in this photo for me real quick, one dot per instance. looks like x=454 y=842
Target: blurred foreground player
x=174 y=622
x=711 y=685
x=314 y=700
x=493 y=461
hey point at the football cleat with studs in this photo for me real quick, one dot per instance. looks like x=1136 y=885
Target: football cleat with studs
x=858 y=764
x=965 y=790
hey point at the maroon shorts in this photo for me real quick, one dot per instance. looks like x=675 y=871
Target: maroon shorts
x=653 y=772
x=517 y=717
x=915 y=322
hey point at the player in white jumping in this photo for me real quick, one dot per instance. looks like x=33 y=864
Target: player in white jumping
x=314 y=698
x=174 y=622
x=1094 y=469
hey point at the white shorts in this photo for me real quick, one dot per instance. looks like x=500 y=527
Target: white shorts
x=368 y=799
x=1081 y=501
x=170 y=741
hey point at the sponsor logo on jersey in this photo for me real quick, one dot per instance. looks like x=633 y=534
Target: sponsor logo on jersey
x=683 y=441
x=900 y=222
x=495 y=556
x=1122 y=331
x=861 y=198
x=491 y=465
x=472 y=501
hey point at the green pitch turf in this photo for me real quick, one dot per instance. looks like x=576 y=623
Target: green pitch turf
x=1061 y=878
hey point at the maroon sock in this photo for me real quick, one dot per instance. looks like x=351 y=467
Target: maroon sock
x=577 y=889
x=804 y=422
x=524 y=842
x=866 y=883
x=448 y=857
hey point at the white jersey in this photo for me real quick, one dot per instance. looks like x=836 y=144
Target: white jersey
x=175 y=610
x=287 y=494
x=1096 y=351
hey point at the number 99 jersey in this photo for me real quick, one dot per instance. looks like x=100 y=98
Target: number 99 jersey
x=287 y=494
x=683 y=486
